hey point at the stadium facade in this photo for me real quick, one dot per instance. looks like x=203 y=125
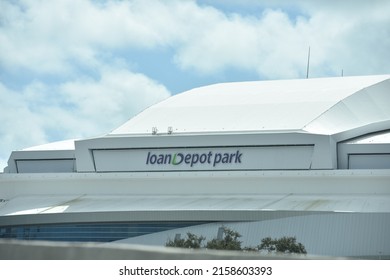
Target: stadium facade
x=307 y=158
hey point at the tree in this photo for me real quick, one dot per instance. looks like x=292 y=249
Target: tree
x=192 y=241
x=228 y=242
x=282 y=245
x=228 y=239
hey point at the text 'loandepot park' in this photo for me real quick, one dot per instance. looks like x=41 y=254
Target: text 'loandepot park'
x=194 y=158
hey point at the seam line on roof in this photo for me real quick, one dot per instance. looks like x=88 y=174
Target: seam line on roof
x=333 y=106
x=364 y=90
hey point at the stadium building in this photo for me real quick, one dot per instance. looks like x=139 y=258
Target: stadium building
x=308 y=158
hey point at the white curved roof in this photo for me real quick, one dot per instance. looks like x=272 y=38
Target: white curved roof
x=324 y=106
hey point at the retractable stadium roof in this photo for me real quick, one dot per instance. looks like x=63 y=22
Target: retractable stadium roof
x=323 y=106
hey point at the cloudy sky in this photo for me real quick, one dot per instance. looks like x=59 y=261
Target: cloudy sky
x=74 y=69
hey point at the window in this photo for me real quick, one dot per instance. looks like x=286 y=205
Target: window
x=84 y=232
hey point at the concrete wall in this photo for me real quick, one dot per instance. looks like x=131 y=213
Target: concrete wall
x=41 y=250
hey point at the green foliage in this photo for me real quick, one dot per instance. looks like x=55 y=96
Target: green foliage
x=282 y=245
x=192 y=241
x=229 y=242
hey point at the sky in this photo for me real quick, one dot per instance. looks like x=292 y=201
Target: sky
x=79 y=69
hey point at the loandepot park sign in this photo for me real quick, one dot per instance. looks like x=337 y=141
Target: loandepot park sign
x=203 y=158
x=210 y=158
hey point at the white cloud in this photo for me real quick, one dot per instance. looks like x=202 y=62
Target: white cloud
x=108 y=102
x=271 y=45
x=19 y=125
x=52 y=34
x=353 y=36
x=272 y=42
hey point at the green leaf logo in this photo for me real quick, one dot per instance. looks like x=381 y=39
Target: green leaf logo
x=174 y=160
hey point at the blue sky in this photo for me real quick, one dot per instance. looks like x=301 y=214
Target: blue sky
x=75 y=69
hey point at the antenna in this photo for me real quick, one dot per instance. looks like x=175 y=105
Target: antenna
x=308 y=64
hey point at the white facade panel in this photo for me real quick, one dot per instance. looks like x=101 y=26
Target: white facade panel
x=204 y=159
x=45 y=166
x=369 y=161
x=354 y=155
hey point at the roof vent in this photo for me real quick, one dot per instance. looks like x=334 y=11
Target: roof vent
x=154 y=130
x=170 y=129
